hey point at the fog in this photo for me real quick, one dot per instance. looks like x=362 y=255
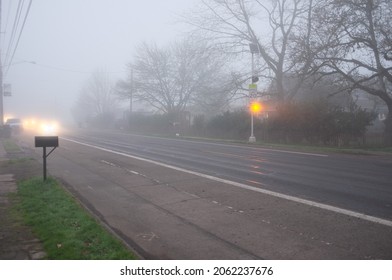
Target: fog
x=63 y=42
x=299 y=53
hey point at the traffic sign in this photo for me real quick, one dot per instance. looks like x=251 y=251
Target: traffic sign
x=7 y=90
x=253 y=86
x=252 y=90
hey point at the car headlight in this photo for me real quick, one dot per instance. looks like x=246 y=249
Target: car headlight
x=49 y=128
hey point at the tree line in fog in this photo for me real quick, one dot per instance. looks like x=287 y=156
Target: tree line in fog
x=305 y=52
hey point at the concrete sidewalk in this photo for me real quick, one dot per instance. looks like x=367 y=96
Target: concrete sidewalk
x=16 y=240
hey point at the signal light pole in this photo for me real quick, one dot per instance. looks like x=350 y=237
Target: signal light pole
x=1 y=82
x=254 y=106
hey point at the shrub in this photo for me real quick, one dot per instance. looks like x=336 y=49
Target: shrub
x=231 y=125
x=319 y=122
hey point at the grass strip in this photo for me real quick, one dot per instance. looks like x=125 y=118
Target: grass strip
x=67 y=231
x=355 y=150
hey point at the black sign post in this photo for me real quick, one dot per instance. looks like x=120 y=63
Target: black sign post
x=44 y=142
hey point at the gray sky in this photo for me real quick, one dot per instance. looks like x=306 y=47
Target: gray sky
x=69 y=39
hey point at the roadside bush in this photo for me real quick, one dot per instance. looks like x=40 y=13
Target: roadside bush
x=351 y=125
x=104 y=120
x=151 y=124
x=319 y=123
x=198 y=127
x=231 y=125
x=314 y=123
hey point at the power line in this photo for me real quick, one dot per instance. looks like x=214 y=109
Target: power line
x=8 y=16
x=13 y=31
x=75 y=71
x=20 y=34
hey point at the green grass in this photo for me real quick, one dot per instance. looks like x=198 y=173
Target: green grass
x=10 y=146
x=329 y=149
x=67 y=231
x=292 y=147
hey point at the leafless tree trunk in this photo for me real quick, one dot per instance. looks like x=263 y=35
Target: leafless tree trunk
x=187 y=73
x=359 y=47
x=281 y=29
x=96 y=98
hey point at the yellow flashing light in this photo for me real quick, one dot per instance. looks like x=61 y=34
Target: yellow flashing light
x=256 y=107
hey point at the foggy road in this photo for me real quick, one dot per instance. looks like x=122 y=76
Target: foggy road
x=283 y=69
x=357 y=183
x=178 y=199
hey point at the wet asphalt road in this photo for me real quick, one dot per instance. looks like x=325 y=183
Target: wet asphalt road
x=360 y=183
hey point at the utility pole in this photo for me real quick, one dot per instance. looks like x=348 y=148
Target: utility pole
x=131 y=95
x=253 y=89
x=1 y=79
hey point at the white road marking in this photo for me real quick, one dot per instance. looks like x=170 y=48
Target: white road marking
x=251 y=188
x=150 y=236
x=254 y=182
x=229 y=145
x=191 y=194
x=108 y=163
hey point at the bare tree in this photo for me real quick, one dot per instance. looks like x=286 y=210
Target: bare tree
x=281 y=30
x=359 y=39
x=125 y=89
x=181 y=75
x=96 y=99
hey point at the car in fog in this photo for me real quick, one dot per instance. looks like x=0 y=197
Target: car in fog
x=42 y=127
x=15 y=124
x=49 y=128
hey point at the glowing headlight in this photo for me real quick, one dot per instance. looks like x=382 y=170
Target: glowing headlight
x=49 y=128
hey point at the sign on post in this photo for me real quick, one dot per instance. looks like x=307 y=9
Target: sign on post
x=252 y=91
x=7 y=90
x=44 y=142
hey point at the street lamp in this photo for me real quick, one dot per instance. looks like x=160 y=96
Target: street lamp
x=254 y=49
x=253 y=90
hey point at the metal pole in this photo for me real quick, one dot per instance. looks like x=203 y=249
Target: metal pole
x=1 y=94
x=44 y=157
x=1 y=81
x=251 y=131
x=131 y=97
x=253 y=65
x=252 y=138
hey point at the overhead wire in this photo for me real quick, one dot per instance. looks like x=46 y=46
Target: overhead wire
x=20 y=35
x=13 y=31
x=8 y=16
x=75 y=71
x=11 y=49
